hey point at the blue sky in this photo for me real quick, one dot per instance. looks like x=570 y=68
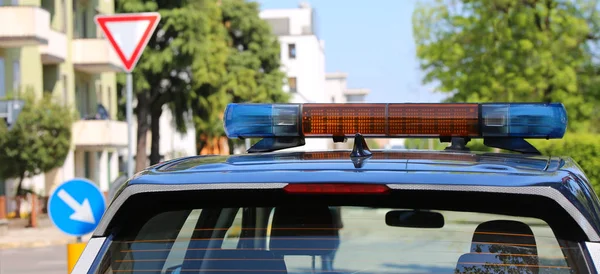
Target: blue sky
x=371 y=41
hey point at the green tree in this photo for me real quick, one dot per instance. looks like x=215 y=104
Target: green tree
x=185 y=51
x=253 y=70
x=510 y=50
x=39 y=141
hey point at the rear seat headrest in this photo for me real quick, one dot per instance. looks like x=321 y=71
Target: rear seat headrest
x=304 y=230
x=501 y=246
x=507 y=234
x=234 y=261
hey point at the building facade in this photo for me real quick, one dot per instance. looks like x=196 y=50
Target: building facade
x=302 y=57
x=54 y=47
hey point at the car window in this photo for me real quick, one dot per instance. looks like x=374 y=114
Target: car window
x=339 y=239
x=177 y=252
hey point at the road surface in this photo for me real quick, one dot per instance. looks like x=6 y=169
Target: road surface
x=47 y=260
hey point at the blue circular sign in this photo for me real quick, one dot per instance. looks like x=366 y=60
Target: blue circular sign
x=76 y=207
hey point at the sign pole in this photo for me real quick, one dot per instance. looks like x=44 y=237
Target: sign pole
x=128 y=34
x=76 y=207
x=129 y=109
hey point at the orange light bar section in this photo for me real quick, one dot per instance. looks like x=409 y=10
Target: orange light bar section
x=343 y=119
x=415 y=120
x=433 y=120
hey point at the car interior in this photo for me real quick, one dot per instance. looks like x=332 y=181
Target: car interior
x=313 y=238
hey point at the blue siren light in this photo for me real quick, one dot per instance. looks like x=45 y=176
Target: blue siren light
x=517 y=120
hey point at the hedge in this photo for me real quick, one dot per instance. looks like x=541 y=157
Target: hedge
x=583 y=148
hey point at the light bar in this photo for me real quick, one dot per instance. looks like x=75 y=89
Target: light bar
x=521 y=120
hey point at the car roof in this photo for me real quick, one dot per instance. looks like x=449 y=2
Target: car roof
x=315 y=166
x=553 y=177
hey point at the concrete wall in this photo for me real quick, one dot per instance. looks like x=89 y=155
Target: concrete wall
x=335 y=85
x=172 y=143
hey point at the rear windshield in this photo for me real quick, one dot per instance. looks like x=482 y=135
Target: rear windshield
x=311 y=235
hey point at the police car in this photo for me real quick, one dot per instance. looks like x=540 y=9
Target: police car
x=360 y=211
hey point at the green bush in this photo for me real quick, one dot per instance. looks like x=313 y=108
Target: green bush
x=583 y=148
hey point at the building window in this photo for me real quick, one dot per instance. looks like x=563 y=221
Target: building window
x=292 y=84
x=2 y=80
x=355 y=98
x=292 y=51
x=109 y=103
x=84 y=23
x=16 y=77
x=82 y=93
x=63 y=6
x=86 y=164
x=109 y=167
x=64 y=90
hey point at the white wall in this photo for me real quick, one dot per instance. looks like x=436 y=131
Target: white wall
x=172 y=143
x=335 y=85
x=298 y=18
x=308 y=67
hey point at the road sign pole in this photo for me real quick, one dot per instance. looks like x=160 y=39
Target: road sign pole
x=74 y=251
x=128 y=34
x=129 y=110
x=76 y=207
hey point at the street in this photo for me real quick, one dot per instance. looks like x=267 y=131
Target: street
x=50 y=260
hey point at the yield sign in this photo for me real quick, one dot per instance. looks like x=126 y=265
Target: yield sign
x=128 y=33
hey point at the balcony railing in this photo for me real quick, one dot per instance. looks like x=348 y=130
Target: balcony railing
x=95 y=56
x=55 y=51
x=23 y=26
x=100 y=133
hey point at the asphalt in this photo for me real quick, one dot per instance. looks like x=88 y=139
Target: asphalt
x=47 y=260
x=46 y=234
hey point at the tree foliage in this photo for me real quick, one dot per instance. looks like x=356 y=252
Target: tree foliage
x=39 y=141
x=185 y=51
x=511 y=50
x=252 y=65
x=203 y=55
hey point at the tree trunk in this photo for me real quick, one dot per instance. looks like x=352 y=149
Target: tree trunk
x=3 y=212
x=18 y=196
x=143 y=105
x=199 y=145
x=34 y=211
x=231 y=146
x=155 y=128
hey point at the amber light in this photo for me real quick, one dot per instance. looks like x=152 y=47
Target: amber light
x=336 y=188
x=432 y=120
x=343 y=119
x=411 y=120
x=392 y=155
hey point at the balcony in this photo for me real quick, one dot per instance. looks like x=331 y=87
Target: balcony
x=23 y=26
x=100 y=133
x=95 y=55
x=55 y=52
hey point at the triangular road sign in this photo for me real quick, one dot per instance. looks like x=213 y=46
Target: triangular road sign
x=128 y=33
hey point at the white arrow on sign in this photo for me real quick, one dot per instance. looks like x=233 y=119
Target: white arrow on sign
x=82 y=212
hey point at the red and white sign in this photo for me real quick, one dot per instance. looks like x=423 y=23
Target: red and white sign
x=128 y=33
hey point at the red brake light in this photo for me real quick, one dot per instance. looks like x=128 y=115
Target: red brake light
x=336 y=188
